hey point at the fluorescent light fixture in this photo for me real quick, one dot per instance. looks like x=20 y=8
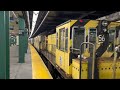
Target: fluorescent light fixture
x=42 y=21
x=28 y=20
x=35 y=16
x=118 y=21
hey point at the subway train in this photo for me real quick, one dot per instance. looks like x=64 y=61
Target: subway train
x=83 y=49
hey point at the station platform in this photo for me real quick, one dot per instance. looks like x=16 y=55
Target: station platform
x=33 y=68
x=20 y=70
x=39 y=69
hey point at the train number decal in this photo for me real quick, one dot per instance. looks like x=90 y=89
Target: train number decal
x=101 y=38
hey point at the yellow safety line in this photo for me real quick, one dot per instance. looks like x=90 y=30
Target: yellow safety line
x=39 y=70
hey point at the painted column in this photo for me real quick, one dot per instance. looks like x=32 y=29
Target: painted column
x=4 y=45
x=21 y=40
x=26 y=40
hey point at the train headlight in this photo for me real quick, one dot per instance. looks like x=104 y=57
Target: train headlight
x=104 y=23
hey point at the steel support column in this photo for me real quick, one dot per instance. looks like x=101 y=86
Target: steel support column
x=4 y=45
x=26 y=40
x=21 y=40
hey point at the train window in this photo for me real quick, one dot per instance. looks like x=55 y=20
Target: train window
x=62 y=39
x=66 y=32
x=112 y=34
x=92 y=37
x=66 y=40
x=57 y=39
x=78 y=37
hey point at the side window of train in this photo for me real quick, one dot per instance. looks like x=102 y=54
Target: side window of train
x=73 y=34
x=78 y=37
x=57 y=40
x=92 y=37
x=112 y=35
x=62 y=39
x=66 y=39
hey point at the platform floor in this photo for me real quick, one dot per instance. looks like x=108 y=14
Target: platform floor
x=39 y=69
x=20 y=70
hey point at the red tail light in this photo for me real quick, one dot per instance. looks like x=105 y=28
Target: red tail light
x=81 y=21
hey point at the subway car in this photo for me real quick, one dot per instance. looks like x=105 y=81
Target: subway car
x=83 y=49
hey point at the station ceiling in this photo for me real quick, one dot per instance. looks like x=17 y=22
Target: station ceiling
x=30 y=18
x=48 y=20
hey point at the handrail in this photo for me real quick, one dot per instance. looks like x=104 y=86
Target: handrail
x=75 y=49
x=93 y=60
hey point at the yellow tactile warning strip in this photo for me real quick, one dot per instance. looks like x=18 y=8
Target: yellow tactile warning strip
x=39 y=70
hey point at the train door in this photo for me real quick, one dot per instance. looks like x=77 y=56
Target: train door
x=66 y=52
x=61 y=47
x=61 y=52
x=78 y=37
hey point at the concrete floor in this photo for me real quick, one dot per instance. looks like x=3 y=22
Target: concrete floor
x=20 y=70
